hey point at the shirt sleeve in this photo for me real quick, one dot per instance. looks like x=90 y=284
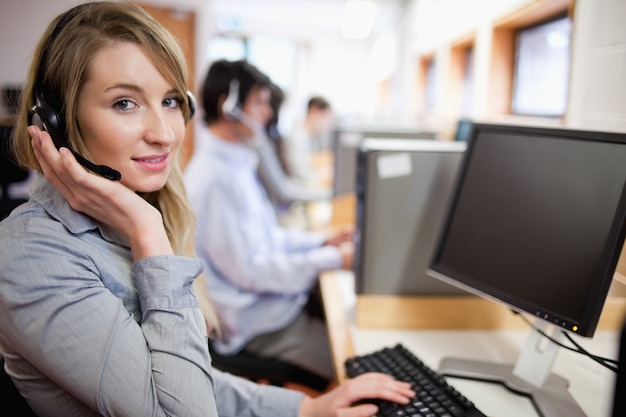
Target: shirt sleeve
x=242 y=398
x=60 y=320
x=242 y=241
x=276 y=181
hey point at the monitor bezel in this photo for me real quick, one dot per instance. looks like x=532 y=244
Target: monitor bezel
x=585 y=325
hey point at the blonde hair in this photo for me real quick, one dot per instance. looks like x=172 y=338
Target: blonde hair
x=68 y=54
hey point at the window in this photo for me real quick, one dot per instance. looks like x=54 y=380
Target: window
x=541 y=73
x=276 y=57
x=432 y=93
x=468 y=81
x=222 y=47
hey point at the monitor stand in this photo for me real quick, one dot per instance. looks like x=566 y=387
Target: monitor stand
x=530 y=376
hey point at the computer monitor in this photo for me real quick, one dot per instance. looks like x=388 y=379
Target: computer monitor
x=536 y=223
x=402 y=192
x=345 y=143
x=463 y=130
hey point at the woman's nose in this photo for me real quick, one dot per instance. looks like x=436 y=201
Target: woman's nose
x=159 y=129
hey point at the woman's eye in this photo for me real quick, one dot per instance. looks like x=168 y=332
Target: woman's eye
x=172 y=102
x=123 y=104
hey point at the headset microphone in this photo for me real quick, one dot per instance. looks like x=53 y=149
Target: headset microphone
x=232 y=110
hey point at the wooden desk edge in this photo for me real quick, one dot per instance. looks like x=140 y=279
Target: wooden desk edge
x=341 y=346
x=339 y=327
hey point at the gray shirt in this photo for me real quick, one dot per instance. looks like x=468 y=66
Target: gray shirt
x=86 y=331
x=280 y=188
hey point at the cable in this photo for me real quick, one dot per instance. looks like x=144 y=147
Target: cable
x=602 y=361
x=606 y=362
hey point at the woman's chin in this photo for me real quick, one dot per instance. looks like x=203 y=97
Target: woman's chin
x=145 y=186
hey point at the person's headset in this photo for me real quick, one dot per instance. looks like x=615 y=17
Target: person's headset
x=50 y=119
x=231 y=109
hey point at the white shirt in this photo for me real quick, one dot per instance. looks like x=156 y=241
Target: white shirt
x=259 y=273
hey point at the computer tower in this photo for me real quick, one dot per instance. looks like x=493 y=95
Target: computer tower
x=403 y=190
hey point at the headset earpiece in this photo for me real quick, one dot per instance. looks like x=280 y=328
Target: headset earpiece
x=44 y=115
x=191 y=99
x=46 y=119
x=231 y=108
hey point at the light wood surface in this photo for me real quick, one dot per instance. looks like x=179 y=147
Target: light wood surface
x=424 y=313
x=432 y=312
x=343 y=211
x=338 y=323
x=332 y=215
x=322 y=164
x=429 y=312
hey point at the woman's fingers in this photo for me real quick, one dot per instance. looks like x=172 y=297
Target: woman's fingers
x=382 y=386
x=49 y=159
x=83 y=190
x=363 y=410
x=109 y=202
x=340 y=402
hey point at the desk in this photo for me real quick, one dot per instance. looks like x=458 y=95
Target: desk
x=590 y=383
x=331 y=215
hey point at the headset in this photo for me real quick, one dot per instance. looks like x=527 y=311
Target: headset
x=46 y=115
x=232 y=109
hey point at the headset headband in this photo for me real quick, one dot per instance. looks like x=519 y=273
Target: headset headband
x=63 y=21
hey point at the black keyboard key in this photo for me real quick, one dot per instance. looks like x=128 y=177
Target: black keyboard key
x=434 y=396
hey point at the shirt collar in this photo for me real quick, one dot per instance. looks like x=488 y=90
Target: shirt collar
x=58 y=208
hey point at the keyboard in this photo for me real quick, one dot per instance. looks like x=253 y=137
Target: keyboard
x=434 y=396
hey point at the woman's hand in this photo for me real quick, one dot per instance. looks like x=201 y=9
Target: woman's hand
x=338 y=402
x=107 y=201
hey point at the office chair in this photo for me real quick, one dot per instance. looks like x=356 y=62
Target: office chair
x=11 y=401
x=258 y=369
x=10 y=173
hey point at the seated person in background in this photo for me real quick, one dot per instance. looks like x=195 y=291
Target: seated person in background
x=97 y=311
x=307 y=138
x=259 y=274
x=272 y=130
x=281 y=189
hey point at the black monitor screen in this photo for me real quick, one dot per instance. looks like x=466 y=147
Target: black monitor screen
x=537 y=221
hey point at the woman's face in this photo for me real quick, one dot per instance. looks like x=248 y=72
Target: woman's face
x=130 y=117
